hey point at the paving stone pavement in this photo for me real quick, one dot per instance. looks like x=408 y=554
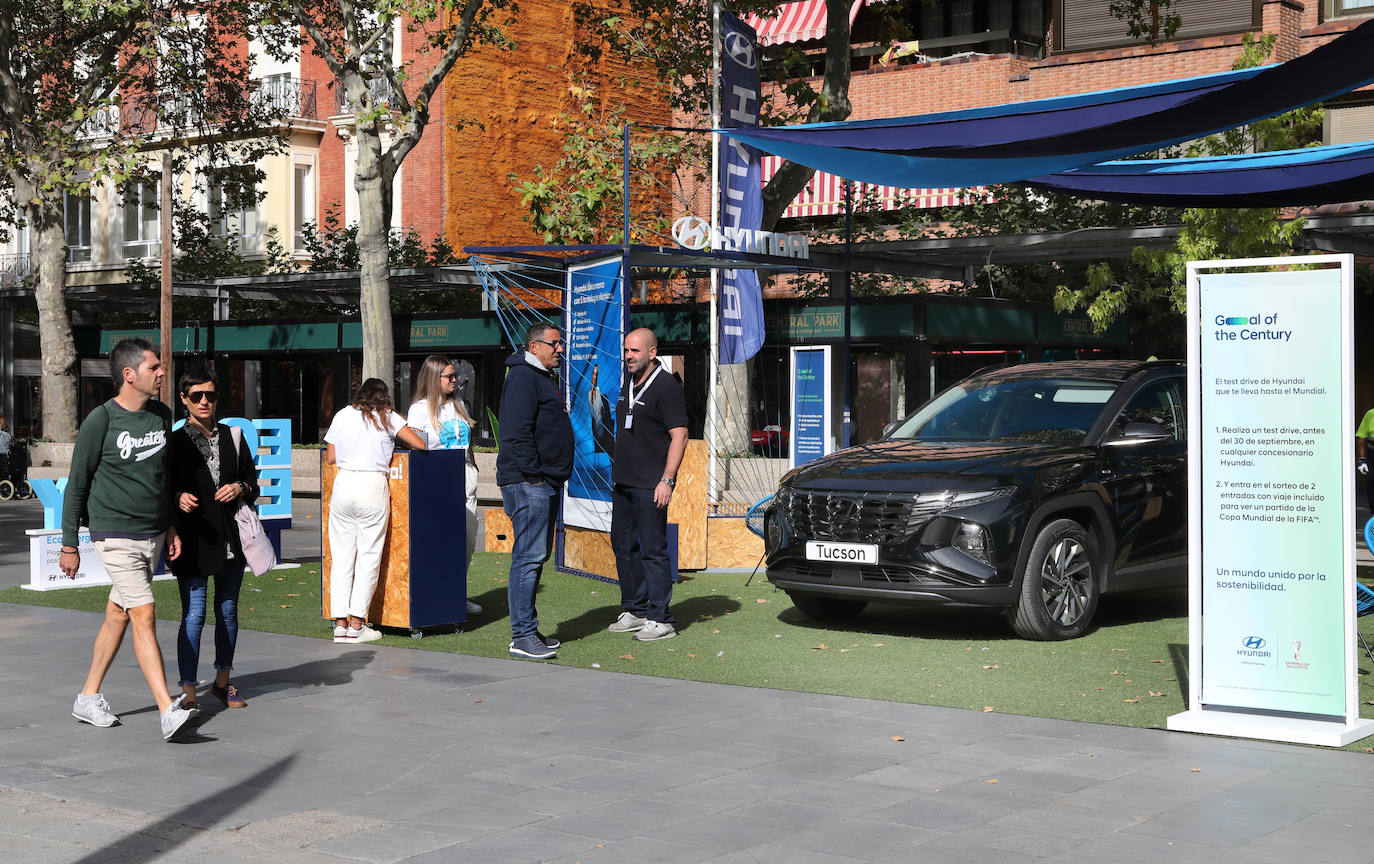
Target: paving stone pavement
x=378 y=754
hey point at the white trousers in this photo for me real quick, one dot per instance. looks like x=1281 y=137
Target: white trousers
x=359 y=508
x=471 y=482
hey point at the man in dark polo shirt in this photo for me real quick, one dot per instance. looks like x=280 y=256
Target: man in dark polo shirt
x=649 y=442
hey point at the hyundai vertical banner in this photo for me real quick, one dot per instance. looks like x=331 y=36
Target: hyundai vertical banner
x=741 y=183
x=1271 y=556
x=595 y=316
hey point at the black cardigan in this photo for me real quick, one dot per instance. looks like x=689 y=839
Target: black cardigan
x=205 y=530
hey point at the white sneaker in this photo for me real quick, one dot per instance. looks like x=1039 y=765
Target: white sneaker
x=654 y=630
x=176 y=718
x=628 y=622
x=341 y=635
x=474 y=609
x=362 y=634
x=94 y=710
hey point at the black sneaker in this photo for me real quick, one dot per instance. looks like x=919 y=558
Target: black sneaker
x=549 y=641
x=532 y=647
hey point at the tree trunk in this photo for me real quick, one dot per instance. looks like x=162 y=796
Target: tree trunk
x=374 y=300
x=48 y=248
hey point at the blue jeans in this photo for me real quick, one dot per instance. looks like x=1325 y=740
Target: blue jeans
x=533 y=512
x=193 y=600
x=639 y=537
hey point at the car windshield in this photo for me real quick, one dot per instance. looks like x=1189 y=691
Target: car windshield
x=1048 y=410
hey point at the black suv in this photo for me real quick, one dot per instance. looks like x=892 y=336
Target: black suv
x=1031 y=488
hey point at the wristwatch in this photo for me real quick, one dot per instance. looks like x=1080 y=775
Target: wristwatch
x=670 y=481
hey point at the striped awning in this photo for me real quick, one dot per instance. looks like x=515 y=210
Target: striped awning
x=824 y=194
x=800 y=21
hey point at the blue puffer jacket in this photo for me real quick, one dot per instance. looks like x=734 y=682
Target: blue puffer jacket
x=535 y=433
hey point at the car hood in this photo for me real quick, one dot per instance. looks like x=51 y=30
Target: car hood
x=914 y=466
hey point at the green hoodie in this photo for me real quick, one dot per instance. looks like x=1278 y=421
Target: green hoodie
x=120 y=480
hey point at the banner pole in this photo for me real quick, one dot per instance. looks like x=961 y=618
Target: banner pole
x=713 y=370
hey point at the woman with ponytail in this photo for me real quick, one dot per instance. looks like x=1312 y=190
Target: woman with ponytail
x=360 y=442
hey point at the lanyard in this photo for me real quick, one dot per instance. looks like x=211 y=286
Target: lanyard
x=631 y=407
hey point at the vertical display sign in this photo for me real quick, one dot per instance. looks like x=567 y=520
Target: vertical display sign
x=810 y=404
x=741 y=183
x=1271 y=561
x=595 y=317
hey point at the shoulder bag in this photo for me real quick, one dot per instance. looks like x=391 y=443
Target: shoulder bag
x=257 y=546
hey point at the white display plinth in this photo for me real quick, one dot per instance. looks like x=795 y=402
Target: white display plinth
x=1269 y=727
x=45 y=546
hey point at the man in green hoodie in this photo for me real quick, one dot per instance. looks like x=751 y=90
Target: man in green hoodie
x=120 y=486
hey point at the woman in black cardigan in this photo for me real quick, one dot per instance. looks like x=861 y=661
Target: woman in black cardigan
x=211 y=479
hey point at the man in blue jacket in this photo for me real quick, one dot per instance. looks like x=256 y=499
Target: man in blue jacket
x=535 y=461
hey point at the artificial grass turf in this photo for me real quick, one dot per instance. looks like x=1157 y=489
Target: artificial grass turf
x=1129 y=671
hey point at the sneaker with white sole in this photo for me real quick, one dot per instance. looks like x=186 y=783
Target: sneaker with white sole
x=549 y=641
x=628 y=622
x=176 y=718
x=474 y=609
x=532 y=647
x=363 y=634
x=341 y=635
x=93 y=709
x=655 y=630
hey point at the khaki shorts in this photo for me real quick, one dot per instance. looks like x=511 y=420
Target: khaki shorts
x=130 y=564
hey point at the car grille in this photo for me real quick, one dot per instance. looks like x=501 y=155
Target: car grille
x=857 y=517
x=866 y=573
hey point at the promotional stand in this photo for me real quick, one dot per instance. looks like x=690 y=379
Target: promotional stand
x=423 y=577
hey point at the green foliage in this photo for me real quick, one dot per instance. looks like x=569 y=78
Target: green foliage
x=581 y=199
x=1147 y=19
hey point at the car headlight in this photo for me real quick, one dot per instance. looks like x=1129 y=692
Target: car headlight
x=972 y=539
x=927 y=505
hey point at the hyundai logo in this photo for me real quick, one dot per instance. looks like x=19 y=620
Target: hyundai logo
x=691 y=232
x=1254 y=643
x=738 y=46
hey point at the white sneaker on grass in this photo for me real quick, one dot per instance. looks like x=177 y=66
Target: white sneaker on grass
x=655 y=630
x=341 y=635
x=362 y=634
x=628 y=622
x=93 y=709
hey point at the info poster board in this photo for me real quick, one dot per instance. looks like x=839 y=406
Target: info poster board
x=811 y=404
x=1271 y=630
x=594 y=315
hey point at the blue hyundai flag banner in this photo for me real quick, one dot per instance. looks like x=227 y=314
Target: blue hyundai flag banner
x=741 y=299
x=595 y=314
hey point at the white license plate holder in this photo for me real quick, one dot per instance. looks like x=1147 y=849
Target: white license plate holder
x=841 y=553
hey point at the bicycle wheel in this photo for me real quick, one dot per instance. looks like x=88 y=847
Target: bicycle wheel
x=6 y=490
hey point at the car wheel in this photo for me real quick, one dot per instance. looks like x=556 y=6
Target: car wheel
x=826 y=608
x=1060 y=586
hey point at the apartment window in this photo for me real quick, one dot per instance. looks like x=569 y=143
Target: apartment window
x=234 y=210
x=142 y=227
x=303 y=202
x=1082 y=25
x=1337 y=8
x=76 y=211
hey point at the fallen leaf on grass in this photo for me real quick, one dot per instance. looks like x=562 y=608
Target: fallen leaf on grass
x=760 y=599
x=293 y=595
x=1156 y=661
x=1170 y=679
x=693 y=656
x=1099 y=688
x=899 y=739
x=286 y=605
x=987 y=709
x=1131 y=701
x=845 y=650
x=1153 y=693
x=993 y=666
x=1122 y=650
x=627 y=656
x=879 y=644
x=717 y=631
x=820 y=647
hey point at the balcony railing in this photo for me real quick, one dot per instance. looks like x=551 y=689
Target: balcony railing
x=282 y=95
x=377 y=86
x=14 y=269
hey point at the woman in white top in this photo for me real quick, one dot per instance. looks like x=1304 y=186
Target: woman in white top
x=442 y=419
x=360 y=441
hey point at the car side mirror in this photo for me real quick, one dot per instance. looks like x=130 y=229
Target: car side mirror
x=1138 y=432
x=890 y=428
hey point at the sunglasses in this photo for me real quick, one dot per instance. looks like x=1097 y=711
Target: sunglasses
x=449 y=377
x=202 y=396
